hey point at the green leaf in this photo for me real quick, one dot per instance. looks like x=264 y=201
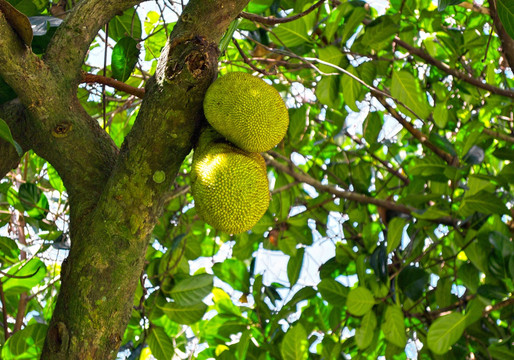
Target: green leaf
x=482 y=202
x=186 y=315
x=395 y=233
x=297 y=124
x=330 y=54
x=41 y=209
x=55 y=179
x=351 y=89
x=364 y=334
x=192 y=290
x=295 y=346
x=393 y=326
x=474 y=311
x=26 y=343
x=445 y=331
x=258 y=6
x=292 y=33
x=124 y=58
x=234 y=273
x=5 y=133
x=327 y=91
x=441 y=115
x=505 y=9
x=127 y=24
x=29 y=7
x=412 y=281
x=353 y=21
x=372 y=127
x=227 y=37
x=501 y=351
x=32 y=272
x=443 y=4
x=431 y=213
x=294 y=266
x=406 y=89
x=9 y=251
x=333 y=292
x=469 y=276
x=360 y=301
x=379 y=31
x=29 y=195
x=160 y=343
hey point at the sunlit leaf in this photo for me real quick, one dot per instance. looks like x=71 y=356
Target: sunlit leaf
x=184 y=314
x=192 y=290
x=295 y=345
x=393 y=326
x=406 y=89
x=364 y=334
x=160 y=343
x=445 y=331
x=360 y=301
x=124 y=58
x=126 y=25
x=26 y=343
x=395 y=233
x=234 y=273
x=5 y=133
x=333 y=292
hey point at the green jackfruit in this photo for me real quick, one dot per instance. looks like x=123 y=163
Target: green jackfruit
x=247 y=111
x=229 y=185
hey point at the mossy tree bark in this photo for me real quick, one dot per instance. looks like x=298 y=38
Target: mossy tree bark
x=114 y=199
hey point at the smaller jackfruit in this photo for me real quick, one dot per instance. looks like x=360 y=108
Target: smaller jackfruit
x=229 y=185
x=247 y=111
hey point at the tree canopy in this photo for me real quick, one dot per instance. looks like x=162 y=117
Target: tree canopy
x=390 y=229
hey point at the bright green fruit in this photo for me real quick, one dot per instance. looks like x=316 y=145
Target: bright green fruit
x=247 y=111
x=229 y=185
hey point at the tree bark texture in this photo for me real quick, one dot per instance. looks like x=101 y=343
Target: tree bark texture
x=114 y=200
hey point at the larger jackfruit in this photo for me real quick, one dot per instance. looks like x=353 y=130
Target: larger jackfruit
x=247 y=111
x=229 y=185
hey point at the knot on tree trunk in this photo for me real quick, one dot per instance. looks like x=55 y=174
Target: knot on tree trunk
x=58 y=338
x=197 y=55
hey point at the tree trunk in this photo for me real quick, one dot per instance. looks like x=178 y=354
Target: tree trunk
x=115 y=197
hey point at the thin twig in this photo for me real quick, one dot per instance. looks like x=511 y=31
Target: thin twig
x=247 y=61
x=92 y=78
x=423 y=139
x=348 y=195
x=387 y=165
x=456 y=73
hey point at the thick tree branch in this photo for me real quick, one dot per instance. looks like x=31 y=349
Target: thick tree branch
x=118 y=85
x=456 y=73
x=69 y=45
x=56 y=126
x=132 y=198
x=271 y=20
x=506 y=40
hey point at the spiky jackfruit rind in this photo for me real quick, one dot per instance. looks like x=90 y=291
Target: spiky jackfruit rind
x=230 y=187
x=246 y=110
